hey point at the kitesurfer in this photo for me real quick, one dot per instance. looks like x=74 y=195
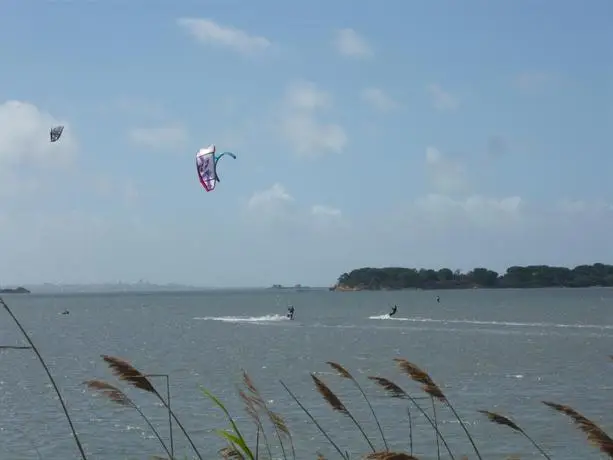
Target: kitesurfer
x=438 y=299
x=290 y=312
x=394 y=309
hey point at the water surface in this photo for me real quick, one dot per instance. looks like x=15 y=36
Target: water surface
x=502 y=350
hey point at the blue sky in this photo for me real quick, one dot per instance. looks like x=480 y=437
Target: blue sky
x=431 y=134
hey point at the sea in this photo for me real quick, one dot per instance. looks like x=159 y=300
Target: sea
x=497 y=350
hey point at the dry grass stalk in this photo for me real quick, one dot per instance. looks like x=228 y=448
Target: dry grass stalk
x=396 y=392
x=319 y=427
x=501 y=420
x=230 y=452
x=257 y=397
x=251 y=407
x=111 y=392
x=429 y=386
x=413 y=371
x=125 y=371
x=51 y=379
x=117 y=396
x=329 y=395
x=337 y=405
x=279 y=423
x=595 y=435
x=340 y=369
x=435 y=392
x=505 y=421
x=393 y=390
x=282 y=429
x=391 y=456
x=257 y=402
x=344 y=373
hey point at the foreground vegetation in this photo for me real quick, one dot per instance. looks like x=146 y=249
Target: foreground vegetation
x=531 y=276
x=237 y=446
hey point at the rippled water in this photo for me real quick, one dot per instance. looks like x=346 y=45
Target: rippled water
x=504 y=350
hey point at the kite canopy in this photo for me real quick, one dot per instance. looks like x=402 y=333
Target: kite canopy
x=205 y=162
x=56 y=133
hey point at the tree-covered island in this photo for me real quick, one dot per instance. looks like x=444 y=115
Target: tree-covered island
x=531 y=276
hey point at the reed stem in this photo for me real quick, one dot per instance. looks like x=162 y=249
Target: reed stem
x=51 y=379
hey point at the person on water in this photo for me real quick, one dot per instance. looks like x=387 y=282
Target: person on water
x=290 y=312
x=438 y=299
x=394 y=309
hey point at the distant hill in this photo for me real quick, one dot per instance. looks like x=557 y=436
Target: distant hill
x=49 y=288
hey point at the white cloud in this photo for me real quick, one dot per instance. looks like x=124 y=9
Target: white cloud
x=125 y=190
x=209 y=32
x=160 y=137
x=26 y=152
x=320 y=210
x=301 y=126
x=24 y=137
x=304 y=95
x=446 y=174
x=271 y=200
x=136 y=107
x=277 y=210
x=475 y=210
x=349 y=43
x=312 y=138
x=442 y=99
x=431 y=231
x=378 y=99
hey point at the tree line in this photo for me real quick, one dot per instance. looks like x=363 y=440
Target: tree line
x=530 y=276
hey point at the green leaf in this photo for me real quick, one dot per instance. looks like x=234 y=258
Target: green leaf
x=238 y=438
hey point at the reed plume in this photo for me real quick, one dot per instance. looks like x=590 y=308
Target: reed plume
x=505 y=421
x=51 y=379
x=252 y=411
x=430 y=387
x=230 y=453
x=337 y=405
x=315 y=422
x=344 y=373
x=117 y=396
x=128 y=373
x=595 y=435
x=276 y=419
x=397 y=392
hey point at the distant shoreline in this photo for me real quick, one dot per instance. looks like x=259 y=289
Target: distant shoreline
x=17 y=290
x=516 y=277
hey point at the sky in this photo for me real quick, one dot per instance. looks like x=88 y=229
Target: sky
x=423 y=134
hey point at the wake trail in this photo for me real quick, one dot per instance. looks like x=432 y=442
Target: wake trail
x=493 y=323
x=245 y=319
